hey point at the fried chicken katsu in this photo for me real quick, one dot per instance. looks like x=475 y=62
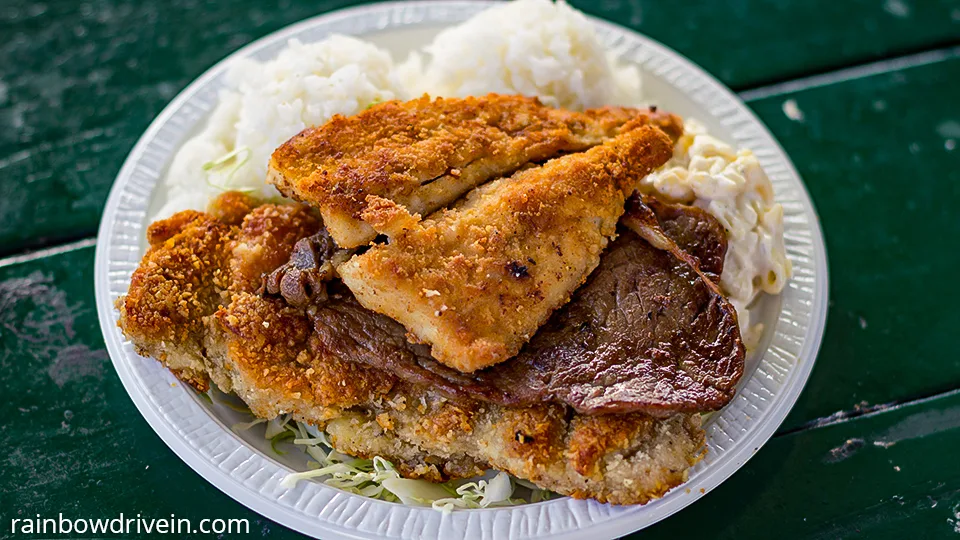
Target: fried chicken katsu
x=195 y=304
x=476 y=281
x=424 y=154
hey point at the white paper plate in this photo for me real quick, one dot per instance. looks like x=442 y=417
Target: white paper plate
x=242 y=466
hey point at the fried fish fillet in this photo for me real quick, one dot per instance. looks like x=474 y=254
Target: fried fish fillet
x=193 y=305
x=424 y=154
x=476 y=281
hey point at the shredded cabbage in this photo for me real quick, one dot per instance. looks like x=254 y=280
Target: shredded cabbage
x=243 y=426
x=377 y=478
x=222 y=169
x=480 y=494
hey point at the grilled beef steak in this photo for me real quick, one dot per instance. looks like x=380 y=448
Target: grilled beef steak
x=694 y=231
x=648 y=331
x=303 y=279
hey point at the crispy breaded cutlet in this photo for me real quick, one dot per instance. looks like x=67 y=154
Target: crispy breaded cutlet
x=269 y=354
x=476 y=281
x=424 y=154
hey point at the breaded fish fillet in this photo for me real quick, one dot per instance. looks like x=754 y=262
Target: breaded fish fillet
x=193 y=306
x=424 y=154
x=476 y=281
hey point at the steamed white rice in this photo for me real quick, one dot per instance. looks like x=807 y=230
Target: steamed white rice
x=530 y=47
x=267 y=103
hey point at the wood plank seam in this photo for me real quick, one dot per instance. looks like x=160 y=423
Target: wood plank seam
x=841 y=417
x=860 y=71
x=47 y=252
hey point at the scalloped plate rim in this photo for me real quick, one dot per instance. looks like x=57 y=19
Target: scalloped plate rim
x=600 y=524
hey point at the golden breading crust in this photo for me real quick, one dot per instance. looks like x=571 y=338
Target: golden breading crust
x=267 y=353
x=476 y=281
x=277 y=368
x=177 y=284
x=423 y=154
x=614 y=459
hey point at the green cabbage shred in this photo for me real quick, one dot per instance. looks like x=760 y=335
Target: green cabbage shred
x=228 y=163
x=377 y=478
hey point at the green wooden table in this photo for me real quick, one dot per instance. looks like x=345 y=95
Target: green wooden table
x=869 y=451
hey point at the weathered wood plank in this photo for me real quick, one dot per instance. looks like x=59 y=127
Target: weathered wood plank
x=746 y=43
x=80 y=81
x=73 y=442
x=890 y=475
x=879 y=156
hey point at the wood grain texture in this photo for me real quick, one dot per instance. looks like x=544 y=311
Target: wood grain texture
x=72 y=440
x=80 y=81
x=746 y=43
x=879 y=156
x=885 y=476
